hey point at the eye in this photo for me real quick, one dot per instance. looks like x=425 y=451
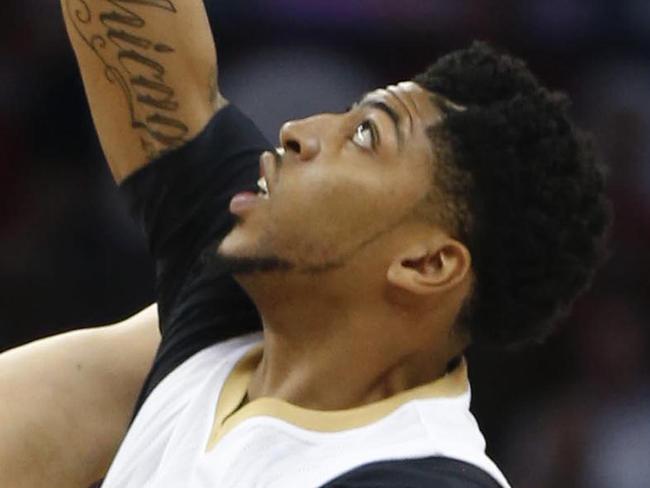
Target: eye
x=366 y=135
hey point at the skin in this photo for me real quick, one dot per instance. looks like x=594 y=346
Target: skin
x=363 y=288
x=67 y=401
x=150 y=74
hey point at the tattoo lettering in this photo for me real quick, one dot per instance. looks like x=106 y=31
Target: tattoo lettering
x=134 y=62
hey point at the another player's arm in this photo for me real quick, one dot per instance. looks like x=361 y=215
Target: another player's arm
x=66 y=401
x=149 y=68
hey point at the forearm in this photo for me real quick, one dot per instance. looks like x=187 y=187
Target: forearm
x=65 y=402
x=150 y=73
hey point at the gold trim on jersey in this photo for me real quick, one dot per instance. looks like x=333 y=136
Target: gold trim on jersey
x=229 y=413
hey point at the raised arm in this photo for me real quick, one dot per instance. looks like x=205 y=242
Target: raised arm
x=150 y=73
x=149 y=68
x=66 y=401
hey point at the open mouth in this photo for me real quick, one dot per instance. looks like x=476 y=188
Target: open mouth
x=263 y=187
x=249 y=198
x=269 y=161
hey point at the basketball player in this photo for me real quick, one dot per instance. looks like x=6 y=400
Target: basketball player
x=315 y=301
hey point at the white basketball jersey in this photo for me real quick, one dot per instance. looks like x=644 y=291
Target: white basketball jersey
x=187 y=436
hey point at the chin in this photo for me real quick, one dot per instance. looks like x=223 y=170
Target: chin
x=241 y=254
x=235 y=244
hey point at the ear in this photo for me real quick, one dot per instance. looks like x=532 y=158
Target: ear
x=430 y=267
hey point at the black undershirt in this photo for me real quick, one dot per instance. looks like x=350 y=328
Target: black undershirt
x=181 y=200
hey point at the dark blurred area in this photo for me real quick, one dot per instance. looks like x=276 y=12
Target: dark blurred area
x=573 y=412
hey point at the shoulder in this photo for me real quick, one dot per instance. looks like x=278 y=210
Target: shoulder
x=434 y=471
x=189 y=374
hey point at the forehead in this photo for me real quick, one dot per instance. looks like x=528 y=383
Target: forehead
x=409 y=98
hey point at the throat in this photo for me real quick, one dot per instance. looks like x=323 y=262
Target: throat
x=340 y=376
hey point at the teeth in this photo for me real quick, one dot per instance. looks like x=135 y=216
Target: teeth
x=261 y=184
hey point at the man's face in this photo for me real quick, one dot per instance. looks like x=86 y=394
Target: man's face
x=341 y=182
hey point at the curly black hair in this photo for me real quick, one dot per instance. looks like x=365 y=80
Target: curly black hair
x=526 y=192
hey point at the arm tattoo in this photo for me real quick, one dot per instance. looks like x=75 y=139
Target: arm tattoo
x=135 y=63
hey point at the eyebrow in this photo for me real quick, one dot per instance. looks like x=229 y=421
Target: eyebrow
x=391 y=112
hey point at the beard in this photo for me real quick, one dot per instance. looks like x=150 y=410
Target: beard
x=248 y=265
x=240 y=265
x=264 y=262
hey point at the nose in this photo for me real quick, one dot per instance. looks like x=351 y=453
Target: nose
x=301 y=138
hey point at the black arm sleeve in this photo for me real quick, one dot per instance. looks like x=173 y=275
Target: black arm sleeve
x=181 y=200
x=430 y=472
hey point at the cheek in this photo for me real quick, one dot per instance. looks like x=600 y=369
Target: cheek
x=340 y=206
x=322 y=223
x=316 y=215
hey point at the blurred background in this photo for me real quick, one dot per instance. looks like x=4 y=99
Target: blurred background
x=574 y=412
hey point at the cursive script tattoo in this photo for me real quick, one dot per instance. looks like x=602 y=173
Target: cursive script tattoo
x=135 y=63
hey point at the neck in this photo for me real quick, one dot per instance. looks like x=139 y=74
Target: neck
x=328 y=350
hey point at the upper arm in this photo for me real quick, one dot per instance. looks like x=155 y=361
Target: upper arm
x=67 y=401
x=150 y=73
